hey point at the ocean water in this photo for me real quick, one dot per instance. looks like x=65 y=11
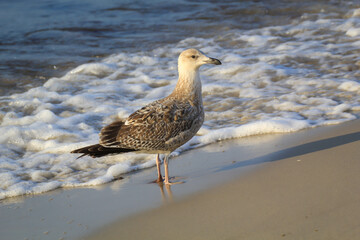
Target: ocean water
x=71 y=68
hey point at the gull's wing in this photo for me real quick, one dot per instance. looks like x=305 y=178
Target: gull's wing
x=151 y=127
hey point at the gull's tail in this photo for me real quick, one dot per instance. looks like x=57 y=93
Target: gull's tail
x=98 y=150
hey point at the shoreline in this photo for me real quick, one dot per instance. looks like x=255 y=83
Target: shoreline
x=305 y=191
x=260 y=177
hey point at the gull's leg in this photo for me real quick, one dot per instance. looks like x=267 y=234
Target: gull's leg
x=160 y=179
x=166 y=166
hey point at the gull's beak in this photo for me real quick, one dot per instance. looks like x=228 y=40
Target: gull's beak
x=213 y=61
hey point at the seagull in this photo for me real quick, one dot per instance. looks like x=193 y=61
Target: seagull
x=163 y=125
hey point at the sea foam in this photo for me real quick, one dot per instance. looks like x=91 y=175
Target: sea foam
x=277 y=79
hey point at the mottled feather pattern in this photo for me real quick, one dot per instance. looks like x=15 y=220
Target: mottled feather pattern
x=109 y=133
x=155 y=126
x=161 y=126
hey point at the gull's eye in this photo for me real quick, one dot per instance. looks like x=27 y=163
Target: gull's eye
x=193 y=56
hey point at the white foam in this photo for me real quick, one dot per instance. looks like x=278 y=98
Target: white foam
x=275 y=125
x=96 y=69
x=353 y=32
x=351 y=86
x=277 y=79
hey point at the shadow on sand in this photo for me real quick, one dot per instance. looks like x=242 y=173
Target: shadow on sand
x=296 y=151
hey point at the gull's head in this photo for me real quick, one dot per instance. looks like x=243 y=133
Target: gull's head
x=192 y=59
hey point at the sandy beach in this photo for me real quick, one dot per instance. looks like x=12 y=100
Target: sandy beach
x=296 y=186
x=276 y=156
x=307 y=188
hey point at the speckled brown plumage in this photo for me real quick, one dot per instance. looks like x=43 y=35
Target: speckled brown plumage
x=163 y=125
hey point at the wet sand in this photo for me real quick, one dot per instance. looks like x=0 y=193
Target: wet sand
x=302 y=185
x=308 y=190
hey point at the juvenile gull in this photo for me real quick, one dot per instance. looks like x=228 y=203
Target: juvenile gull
x=161 y=126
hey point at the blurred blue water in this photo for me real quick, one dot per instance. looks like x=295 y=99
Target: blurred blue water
x=44 y=38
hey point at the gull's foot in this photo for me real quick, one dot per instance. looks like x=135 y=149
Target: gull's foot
x=158 y=181
x=173 y=183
